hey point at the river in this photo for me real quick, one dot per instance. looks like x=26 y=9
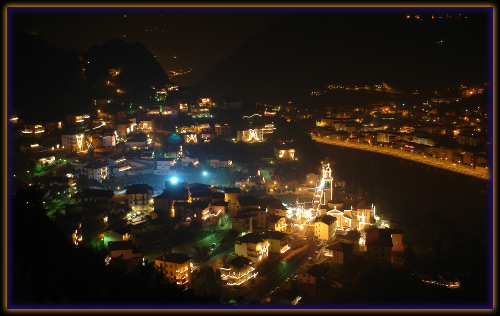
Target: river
x=410 y=193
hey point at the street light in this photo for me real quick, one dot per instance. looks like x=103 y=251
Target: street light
x=205 y=173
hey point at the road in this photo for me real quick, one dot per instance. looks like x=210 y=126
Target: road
x=431 y=161
x=285 y=270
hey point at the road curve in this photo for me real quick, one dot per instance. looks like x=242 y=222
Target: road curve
x=458 y=168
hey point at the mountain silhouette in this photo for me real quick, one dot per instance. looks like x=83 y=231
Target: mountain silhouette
x=305 y=52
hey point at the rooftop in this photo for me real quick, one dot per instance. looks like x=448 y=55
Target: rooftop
x=327 y=219
x=240 y=262
x=139 y=189
x=252 y=238
x=179 y=258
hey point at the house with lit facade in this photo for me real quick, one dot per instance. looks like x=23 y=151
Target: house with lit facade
x=139 y=196
x=238 y=271
x=276 y=223
x=250 y=135
x=278 y=242
x=97 y=170
x=324 y=227
x=284 y=153
x=253 y=246
x=74 y=142
x=176 y=268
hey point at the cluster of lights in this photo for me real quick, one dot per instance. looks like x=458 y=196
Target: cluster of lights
x=240 y=279
x=48 y=161
x=285 y=249
x=191 y=138
x=124 y=168
x=103 y=173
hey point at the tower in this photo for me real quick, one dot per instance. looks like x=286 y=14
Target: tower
x=327 y=188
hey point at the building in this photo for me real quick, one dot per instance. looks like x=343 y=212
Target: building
x=252 y=246
x=278 y=242
x=163 y=203
x=139 y=196
x=139 y=141
x=231 y=196
x=73 y=142
x=175 y=267
x=284 y=153
x=324 y=227
x=238 y=271
x=245 y=202
x=92 y=198
x=395 y=236
x=222 y=163
x=242 y=223
x=379 y=250
x=276 y=223
x=97 y=170
x=126 y=251
x=309 y=278
x=163 y=166
x=222 y=130
x=250 y=135
x=338 y=252
x=117 y=234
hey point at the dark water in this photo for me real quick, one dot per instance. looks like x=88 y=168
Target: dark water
x=414 y=195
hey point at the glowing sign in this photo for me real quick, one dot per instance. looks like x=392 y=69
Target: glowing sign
x=252 y=134
x=103 y=173
x=191 y=138
x=79 y=139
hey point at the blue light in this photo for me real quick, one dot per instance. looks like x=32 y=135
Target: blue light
x=174 y=180
x=205 y=173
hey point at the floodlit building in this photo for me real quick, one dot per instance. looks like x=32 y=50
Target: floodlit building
x=252 y=246
x=324 y=227
x=284 y=153
x=176 y=267
x=97 y=170
x=250 y=135
x=74 y=142
x=278 y=242
x=139 y=196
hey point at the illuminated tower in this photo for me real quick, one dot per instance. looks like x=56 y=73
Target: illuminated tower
x=327 y=189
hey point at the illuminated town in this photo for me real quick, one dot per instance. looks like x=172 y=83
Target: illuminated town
x=139 y=186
